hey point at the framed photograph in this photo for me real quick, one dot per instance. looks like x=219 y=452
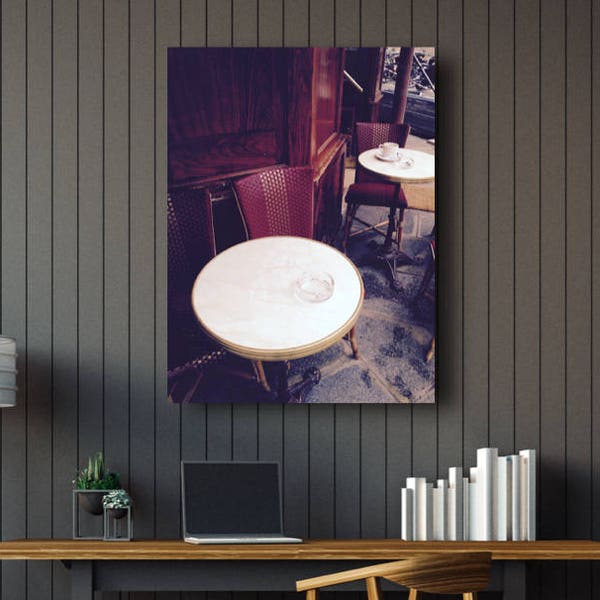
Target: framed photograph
x=301 y=225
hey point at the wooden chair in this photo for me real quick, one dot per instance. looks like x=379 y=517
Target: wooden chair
x=445 y=573
x=370 y=190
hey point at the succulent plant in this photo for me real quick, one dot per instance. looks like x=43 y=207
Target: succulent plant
x=116 y=499
x=95 y=476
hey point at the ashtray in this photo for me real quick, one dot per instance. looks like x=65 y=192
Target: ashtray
x=314 y=287
x=404 y=161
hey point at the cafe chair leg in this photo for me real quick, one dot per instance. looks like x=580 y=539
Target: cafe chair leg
x=353 y=342
x=312 y=594
x=259 y=372
x=415 y=595
x=470 y=596
x=431 y=351
x=373 y=589
x=350 y=215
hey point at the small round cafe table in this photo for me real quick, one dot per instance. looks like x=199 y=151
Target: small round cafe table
x=422 y=170
x=278 y=298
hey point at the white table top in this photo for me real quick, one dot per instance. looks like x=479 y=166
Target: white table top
x=246 y=298
x=423 y=169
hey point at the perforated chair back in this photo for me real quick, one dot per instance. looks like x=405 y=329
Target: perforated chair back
x=277 y=202
x=191 y=235
x=191 y=244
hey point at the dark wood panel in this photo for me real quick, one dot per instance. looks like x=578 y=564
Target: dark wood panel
x=501 y=226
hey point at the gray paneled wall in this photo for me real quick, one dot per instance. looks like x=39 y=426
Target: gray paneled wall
x=84 y=268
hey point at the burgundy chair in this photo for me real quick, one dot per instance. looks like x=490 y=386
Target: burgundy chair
x=277 y=202
x=370 y=190
x=191 y=244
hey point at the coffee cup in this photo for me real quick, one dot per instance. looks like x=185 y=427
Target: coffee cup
x=389 y=149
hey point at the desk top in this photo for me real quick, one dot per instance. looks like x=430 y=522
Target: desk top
x=248 y=299
x=365 y=550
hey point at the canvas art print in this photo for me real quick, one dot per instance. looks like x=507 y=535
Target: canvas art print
x=301 y=225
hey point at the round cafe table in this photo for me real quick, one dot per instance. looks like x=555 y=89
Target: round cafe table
x=251 y=299
x=422 y=170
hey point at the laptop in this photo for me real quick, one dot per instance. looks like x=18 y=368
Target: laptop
x=232 y=503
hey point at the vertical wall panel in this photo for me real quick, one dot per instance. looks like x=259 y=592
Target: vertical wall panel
x=552 y=277
x=270 y=23
x=501 y=225
x=91 y=213
x=39 y=284
x=245 y=23
x=347 y=23
x=449 y=281
x=83 y=189
x=64 y=272
x=295 y=23
x=475 y=228
x=424 y=416
x=527 y=225
x=322 y=22
x=578 y=290
x=168 y=421
x=141 y=264
x=14 y=278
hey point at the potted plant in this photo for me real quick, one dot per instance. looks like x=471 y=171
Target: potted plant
x=117 y=501
x=94 y=477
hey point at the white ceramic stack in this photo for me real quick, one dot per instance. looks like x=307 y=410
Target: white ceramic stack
x=8 y=372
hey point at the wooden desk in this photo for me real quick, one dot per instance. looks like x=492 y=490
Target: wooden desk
x=174 y=565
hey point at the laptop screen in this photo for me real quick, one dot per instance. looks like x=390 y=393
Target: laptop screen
x=231 y=498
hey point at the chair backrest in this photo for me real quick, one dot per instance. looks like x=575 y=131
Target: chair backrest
x=191 y=236
x=370 y=135
x=443 y=573
x=277 y=202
